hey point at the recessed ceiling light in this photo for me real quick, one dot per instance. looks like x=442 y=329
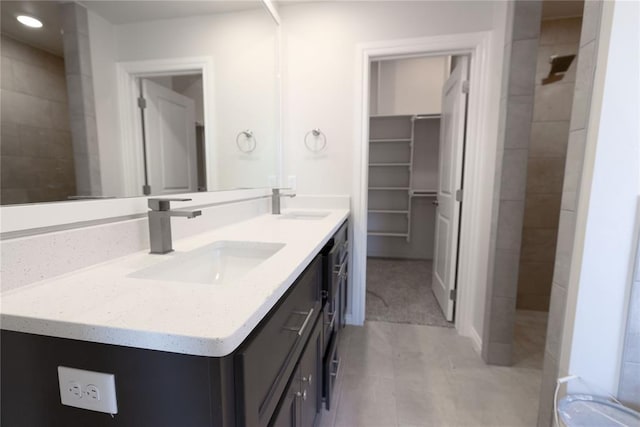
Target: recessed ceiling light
x=29 y=21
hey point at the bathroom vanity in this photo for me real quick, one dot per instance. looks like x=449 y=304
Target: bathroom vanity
x=259 y=349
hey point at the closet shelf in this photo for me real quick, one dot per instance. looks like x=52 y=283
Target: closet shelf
x=388 y=211
x=389 y=188
x=383 y=234
x=391 y=140
x=389 y=164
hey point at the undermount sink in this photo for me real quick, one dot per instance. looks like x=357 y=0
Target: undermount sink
x=304 y=215
x=217 y=263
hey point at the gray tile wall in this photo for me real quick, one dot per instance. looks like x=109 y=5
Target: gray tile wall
x=81 y=99
x=36 y=155
x=511 y=176
x=629 y=388
x=571 y=183
x=546 y=161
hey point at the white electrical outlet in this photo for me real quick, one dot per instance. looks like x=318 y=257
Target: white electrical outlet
x=292 y=182
x=94 y=391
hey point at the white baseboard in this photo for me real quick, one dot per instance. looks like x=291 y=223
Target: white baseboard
x=349 y=321
x=476 y=341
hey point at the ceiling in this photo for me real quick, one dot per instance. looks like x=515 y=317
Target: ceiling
x=561 y=8
x=49 y=37
x=125 y=12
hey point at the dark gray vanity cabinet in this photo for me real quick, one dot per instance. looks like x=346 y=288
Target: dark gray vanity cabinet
x=249 y=387
x=335 y=257
x=301 y=402
x=265 y=362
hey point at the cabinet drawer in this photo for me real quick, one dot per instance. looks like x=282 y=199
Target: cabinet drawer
x=336 y=259
x=330 y=370
x=266 y=360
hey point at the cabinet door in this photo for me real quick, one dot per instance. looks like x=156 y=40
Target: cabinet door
x=288 y=413
x=311 y=377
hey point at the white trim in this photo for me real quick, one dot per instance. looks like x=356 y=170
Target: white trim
x=17 y=218
x=477 y=45
x=476 y=341
x=272 y=10
x=130 y=138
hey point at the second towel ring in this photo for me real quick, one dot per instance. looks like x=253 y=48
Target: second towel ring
x=249 y=138
x=317 y=133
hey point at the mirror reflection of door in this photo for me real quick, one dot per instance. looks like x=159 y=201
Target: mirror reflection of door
x=169 y=125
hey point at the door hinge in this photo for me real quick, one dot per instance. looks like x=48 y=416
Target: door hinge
x=459 y=195
x=142 y=103
x=465 y=86
x=452 y=295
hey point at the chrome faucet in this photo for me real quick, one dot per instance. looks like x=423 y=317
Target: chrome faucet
x=160 y=223
x=275 y=199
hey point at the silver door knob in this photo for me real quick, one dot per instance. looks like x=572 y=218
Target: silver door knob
x=307 y=379
x=435 y=202
x=304 y=395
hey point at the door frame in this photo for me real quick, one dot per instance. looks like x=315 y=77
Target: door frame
x=129 y=115
x=479 y=163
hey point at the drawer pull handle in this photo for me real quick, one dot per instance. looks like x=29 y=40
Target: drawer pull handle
x=304 y=324
x=333 y=319
x=340 y=269
x=336 y=363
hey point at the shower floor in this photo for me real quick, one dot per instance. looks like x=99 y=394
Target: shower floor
x=399 y=291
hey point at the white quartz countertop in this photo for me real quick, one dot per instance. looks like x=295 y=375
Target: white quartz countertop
x=101 y=304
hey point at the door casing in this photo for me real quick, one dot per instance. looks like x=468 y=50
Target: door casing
x=129 y=116
x=479 y=167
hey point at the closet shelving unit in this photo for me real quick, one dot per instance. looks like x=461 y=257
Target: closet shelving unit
x=392 y=173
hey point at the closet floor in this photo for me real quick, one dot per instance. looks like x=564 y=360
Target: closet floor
x=399 y=291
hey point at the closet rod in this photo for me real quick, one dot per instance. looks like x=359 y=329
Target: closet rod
x=425 y=116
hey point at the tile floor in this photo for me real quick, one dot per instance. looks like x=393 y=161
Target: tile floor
x=399 y=291
x=413 y=375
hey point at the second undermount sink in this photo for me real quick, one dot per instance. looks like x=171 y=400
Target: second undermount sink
x=308 y=215
x=218 y=263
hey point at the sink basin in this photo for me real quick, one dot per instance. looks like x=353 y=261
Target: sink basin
x=305 y=215
x=215 y=264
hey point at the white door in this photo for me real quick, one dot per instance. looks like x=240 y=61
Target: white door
x=169 y=120
x=454 y=100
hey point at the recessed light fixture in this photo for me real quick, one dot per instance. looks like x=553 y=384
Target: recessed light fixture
x=29 y=21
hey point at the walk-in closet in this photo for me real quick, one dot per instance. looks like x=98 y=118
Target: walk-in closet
x=404 y=143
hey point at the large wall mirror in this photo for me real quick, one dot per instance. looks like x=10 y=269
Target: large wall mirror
x=104 y=99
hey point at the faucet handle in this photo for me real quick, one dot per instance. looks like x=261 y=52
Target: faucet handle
x=163 y=204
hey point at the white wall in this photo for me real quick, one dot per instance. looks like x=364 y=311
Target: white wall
x=411 y=86
x=243 y=48
x=319 y=65
x=607 y=220
x=319 y=52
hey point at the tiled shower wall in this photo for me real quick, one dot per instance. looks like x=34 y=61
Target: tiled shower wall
x=82 y=110
x=545 y=164
x=516 y=111
x=580 y=109
x=36 y=154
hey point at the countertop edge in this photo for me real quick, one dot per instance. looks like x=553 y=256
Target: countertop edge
x=158 y=341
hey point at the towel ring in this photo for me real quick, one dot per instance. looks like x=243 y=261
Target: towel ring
x=249 y=138
x=317 y=133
